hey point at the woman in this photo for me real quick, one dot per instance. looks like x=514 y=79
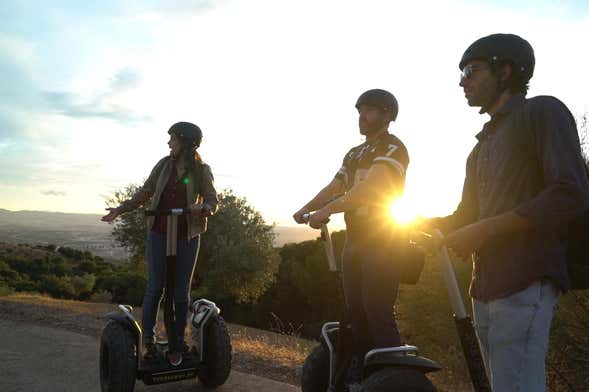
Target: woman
x=180 y=180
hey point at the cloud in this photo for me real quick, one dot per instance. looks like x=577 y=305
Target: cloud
x=126 y=78
x=53 y=193
x=98 y=106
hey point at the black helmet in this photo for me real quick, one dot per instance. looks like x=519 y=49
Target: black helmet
x=381 y=99
x=188 y=133
x=498 y=48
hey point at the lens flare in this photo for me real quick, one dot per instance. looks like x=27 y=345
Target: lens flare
x=402 y=212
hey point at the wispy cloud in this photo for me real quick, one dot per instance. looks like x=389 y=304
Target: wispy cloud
x=98 y=106
x=53 y=193
x=126 y=78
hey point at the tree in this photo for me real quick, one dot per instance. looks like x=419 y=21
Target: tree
x=237 y=260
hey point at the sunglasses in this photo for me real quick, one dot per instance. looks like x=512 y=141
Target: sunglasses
x=469 y=70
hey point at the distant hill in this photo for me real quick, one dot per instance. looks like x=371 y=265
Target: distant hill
x=87 y=232
x=290 y=234
x=78 y=231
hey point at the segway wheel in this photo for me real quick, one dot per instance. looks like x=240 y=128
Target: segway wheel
x=118 y=359
x=216 y=365
x=397 y=380
x=315 y=374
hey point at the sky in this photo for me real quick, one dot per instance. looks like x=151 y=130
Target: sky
x=89 y=90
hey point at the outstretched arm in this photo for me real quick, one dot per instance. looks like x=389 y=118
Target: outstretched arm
x=140 y=197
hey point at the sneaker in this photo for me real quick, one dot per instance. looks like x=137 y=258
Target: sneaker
x=175 y=358
x=150 y=351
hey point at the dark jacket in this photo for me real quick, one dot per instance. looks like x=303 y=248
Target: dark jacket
x=527 y=160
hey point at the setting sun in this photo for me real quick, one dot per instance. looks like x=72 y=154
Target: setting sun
x=402 y=211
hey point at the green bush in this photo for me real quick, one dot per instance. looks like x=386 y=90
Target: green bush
x=101 y=296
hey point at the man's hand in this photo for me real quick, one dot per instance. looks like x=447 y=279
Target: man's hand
x=318 y=218
x=111 y=216
x=298 y=216
x=468 y=239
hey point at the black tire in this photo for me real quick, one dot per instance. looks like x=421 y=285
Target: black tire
x=118 y=359
x=397 y=380
x=217 y=353
x=315 y=374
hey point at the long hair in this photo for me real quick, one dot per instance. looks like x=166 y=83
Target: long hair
x=191 y=156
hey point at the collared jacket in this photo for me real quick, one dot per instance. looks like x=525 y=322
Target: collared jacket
x=527 y=160
x=199 y=189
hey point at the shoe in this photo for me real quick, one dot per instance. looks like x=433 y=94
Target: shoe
x=175 y=358
x=150 y=351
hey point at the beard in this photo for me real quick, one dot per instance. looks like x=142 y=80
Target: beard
x=486 y=95
x=368 y=129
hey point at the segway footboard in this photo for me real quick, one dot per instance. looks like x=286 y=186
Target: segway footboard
x=402 y=356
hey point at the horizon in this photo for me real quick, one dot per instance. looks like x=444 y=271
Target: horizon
x=91 y=89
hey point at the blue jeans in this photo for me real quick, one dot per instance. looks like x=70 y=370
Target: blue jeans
x=370 y=291
x=186 y=255
x=513 y=333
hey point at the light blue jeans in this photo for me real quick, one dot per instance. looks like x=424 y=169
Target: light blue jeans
x=513 y=332
x=186 y=255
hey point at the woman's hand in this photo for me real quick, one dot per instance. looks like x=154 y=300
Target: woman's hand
x=111 y=216
x=200 y=209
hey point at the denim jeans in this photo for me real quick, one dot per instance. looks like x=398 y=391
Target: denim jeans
x=186 y=255
x=370 y=291
x=513 y=333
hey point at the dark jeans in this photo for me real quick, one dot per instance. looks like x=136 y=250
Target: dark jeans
x=186 y=255
x=370 y=291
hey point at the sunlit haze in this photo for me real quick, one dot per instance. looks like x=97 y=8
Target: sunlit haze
x=90 y=88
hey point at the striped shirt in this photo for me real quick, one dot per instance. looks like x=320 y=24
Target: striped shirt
x=385 y=150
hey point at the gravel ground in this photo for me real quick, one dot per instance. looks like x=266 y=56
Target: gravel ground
x=42 y=358
x=89 y=318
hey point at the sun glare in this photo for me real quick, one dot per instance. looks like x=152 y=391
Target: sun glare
x=402 y=212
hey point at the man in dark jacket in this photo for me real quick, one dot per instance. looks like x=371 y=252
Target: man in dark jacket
x=525 y=180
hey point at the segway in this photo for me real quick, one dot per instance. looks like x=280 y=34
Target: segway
x=384 y=369
x=209 y=358
x=464 y=326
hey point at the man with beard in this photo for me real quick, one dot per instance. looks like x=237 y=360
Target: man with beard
x=372 y=174
x=525 y=181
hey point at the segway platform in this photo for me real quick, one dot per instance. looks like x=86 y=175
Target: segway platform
x=159 y=371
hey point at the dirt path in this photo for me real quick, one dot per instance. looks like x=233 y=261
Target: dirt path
x=40 y=358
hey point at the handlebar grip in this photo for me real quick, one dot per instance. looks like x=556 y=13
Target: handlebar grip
x=308 y=215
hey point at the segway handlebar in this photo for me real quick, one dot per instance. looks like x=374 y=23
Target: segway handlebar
x=326 y=239
x=435 y=241
x=172 y=211
x=168 y=211
x=464 y=325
